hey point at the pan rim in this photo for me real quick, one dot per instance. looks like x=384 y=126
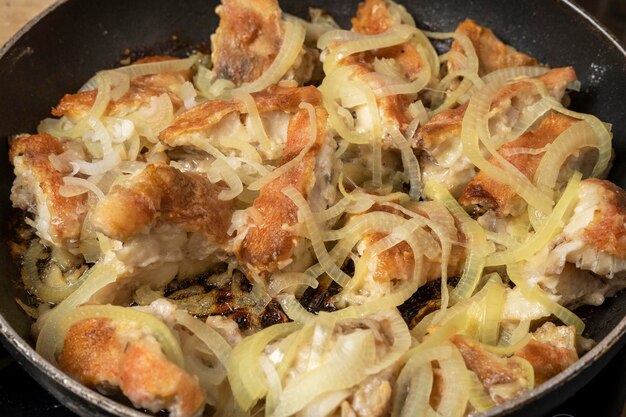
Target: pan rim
x=17 y=344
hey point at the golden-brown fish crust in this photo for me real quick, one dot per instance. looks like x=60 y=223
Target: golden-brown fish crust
x=440 y=128
x=163 y=194
x=66 y=213
x=205 y=116
x=98 y=355
x=490 y=369
x=142 y=89
x=547 y=360
x=489 y=193
x=270 y=242
x=493 y=54
x=607 y=230
x=247 y=39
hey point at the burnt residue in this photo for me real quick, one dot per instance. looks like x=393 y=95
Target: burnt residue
x=19 y=240
x=424 y=301
x=173 y=46
x=228 y=296
x=321 y=298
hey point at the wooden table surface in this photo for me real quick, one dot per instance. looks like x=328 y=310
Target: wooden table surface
x=16 y=13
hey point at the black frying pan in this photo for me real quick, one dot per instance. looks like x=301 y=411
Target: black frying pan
x=72 y=40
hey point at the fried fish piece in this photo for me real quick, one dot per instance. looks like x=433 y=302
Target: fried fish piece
x=108 y=355
x=493 y=54
x=163 y=194
x=375 y=17
x=378 y=16
x=269 y=241
x=550 y=350
x=395 y=267
x=248 y=39
x=585 y=262
x=142 y=90
x=439 y=140
x=491 y=194
x=214 y=120
x=58 y=219
x=165 y=219
x=503 y=378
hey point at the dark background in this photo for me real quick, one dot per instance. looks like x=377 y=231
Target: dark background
x=604 y=396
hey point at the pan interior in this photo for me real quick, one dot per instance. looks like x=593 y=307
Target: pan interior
x=76 y=39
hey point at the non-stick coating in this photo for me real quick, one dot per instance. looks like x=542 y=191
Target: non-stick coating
x=56 y=54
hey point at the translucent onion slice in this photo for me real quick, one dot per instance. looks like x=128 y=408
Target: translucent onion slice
x=343 y=369
x=284 y=280
x=274 y=385
x=249 y=152
x=257 y=185
x=246 y=377
x=290 y=49
x=553 y=224
x=511 y=348
x=478 y=398
x=210 y=375
x=417 y=386
x=493 y=306
x=340 y=119
x=74 y=186
x=469 y=73
x=529 y=371
x=394 y=36
x=400 y=344
x=150 y=121
x=325 y=261
x=209 y=336
x=342 y=189
x=319 y=25
x=478 y=246
x=411 y=167
x=221 y=170
x=349 y=235
x=535 y=294
x=411 y=87
x=338 y=209
x=294 y=310
x=210 y=86
x=145 y=295
x=384 y=303
x=255 y=119
x=578 y=136
x=530 y=115
x=109 y=162
x=464 y=41
x=168 y=341
x=475 y=131
x=338 y=35
x=137 y=70
x=455 y=395
x=100 y=104
x=410 y=397
x=602 y=132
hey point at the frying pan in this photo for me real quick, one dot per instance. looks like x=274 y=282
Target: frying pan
x=56 y=52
